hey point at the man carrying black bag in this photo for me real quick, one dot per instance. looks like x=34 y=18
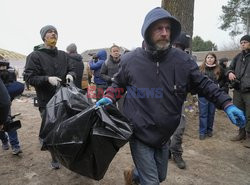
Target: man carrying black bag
x=157 y=79
x=45 y=68
x=14 y=89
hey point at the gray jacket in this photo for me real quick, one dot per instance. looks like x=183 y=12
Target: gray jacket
x=109 y=68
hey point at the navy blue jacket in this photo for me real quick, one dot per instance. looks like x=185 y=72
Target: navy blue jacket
x=157 y=84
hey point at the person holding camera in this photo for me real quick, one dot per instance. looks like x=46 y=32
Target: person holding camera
x=14 y=89
x=46 y=67
x=96 y=66
x=239 y=75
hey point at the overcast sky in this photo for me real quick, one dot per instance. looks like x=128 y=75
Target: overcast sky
x=94 y=23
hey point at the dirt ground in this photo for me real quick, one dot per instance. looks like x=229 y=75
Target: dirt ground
x=213 y=161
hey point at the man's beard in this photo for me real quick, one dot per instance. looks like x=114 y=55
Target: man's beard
x=162 y=45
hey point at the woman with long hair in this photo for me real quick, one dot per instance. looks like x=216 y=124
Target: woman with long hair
x=210 y=67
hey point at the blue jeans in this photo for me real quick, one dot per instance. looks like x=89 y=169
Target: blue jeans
x=15 y=89
x=14 y=142
x=13 y=137
x=206 y=116
x=151 y=164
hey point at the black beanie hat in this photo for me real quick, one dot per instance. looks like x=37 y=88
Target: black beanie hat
x=45 y=29
x=183 y=40
x=245 y=37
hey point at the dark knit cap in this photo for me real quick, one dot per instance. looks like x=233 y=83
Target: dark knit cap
x=45 y=29
x=71 y=48
x=245 y=37
x=183 y=40
x=223 y=59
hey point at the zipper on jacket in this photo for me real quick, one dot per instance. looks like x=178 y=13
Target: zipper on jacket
x=244 y=57
x=157 y=67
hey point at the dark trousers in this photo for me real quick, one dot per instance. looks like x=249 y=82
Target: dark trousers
x=42 y=112
x=177 y=137
x=242 y=101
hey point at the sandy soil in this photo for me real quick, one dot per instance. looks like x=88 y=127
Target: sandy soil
x=214 y=161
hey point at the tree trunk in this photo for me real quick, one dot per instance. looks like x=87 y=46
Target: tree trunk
x=183 y=10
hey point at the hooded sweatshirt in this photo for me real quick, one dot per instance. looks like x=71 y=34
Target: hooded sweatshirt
x=96 y=66
x=157 y=83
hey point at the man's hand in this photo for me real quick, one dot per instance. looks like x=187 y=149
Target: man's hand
x=231 y=76
x=104 y=101
x=53 y=80
x=1 y=127
x=69 y=78
x=236 y=116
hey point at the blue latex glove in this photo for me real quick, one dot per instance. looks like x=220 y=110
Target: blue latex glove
x=104 y=101
x=236 y=116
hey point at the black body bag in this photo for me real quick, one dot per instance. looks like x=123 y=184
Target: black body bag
x=85 y=142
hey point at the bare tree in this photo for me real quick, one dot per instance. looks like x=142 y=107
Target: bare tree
x=183 y=10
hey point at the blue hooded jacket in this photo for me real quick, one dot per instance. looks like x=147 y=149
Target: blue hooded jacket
x=155 y=15
x=96 y=66
x=157 y=84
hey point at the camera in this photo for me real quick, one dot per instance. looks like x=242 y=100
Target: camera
x=7 y=73
x=234 y=84
x=94 y=56
x=12 y=124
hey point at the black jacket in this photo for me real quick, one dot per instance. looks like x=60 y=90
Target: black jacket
x=4 y=102
x=77 y=62
x=109 y=68
x=240 y=66
x=157 y=84
x=224 y=81
x=43 y=63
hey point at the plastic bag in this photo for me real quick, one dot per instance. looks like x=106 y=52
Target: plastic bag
x=67 y=102
x=110 y=131
x=83 y=141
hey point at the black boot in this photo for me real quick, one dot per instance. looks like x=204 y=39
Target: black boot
x=241 y=135
x=179 y=161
